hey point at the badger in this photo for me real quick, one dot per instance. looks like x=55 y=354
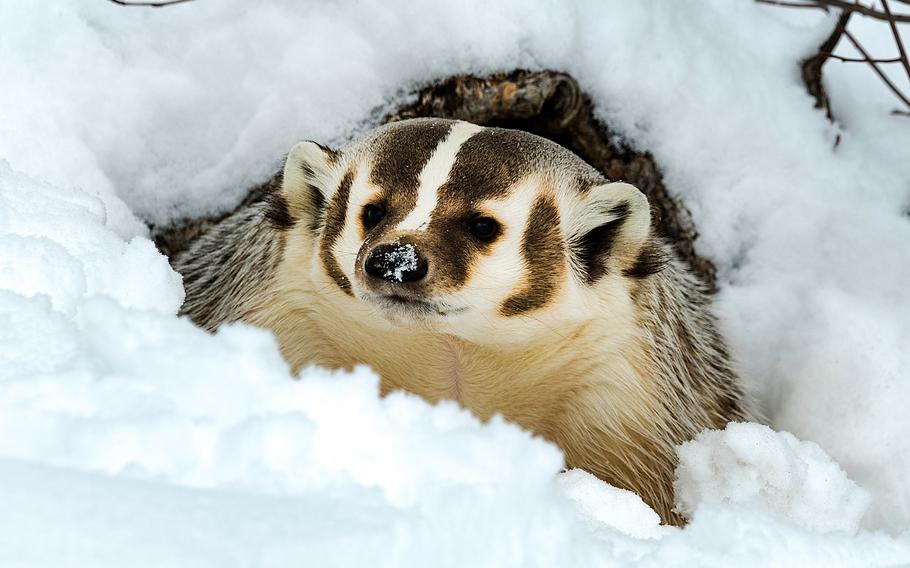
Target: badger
x=487 y=266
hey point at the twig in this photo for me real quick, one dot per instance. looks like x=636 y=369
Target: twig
x=161 y=4
x=791 y=4
x=864 y=10
x=859 y=60
x=855 y=6
x=812 y=66
x=878 y=71
x=897 y=39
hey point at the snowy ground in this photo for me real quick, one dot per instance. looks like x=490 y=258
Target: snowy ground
x=129 y=437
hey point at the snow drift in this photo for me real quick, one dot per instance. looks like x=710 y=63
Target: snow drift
x=129 y=437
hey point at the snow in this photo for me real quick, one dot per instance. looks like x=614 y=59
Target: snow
x=130 y=437
x=400 y=259
x=751 y=464
x=602 y=505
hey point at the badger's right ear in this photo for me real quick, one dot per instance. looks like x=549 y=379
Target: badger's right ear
x=304 y=187
x=611 y=232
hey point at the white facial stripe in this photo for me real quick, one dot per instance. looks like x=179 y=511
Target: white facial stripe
x=348 y=242
x=434 y=174
x=503 y=266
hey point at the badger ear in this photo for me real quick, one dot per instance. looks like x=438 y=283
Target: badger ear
x=612 y=231
x=304 y=186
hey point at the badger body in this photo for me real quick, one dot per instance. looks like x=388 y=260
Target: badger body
x=487 y=266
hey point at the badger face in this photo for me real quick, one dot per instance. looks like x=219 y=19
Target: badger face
x=485 y=233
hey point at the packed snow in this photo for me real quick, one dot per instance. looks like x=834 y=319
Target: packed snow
x=751 y=464
x=130 y=437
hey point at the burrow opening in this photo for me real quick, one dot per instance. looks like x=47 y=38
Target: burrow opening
x=547 y=103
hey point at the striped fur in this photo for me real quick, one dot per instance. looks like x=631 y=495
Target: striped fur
x=570 y=318
x=227 y=268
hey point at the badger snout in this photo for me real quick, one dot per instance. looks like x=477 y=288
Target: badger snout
x=396 y=278
x=401 y=279
x=395 y=263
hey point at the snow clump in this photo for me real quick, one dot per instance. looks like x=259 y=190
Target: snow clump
x=752 y=466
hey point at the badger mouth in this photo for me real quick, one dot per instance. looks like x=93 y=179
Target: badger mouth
x=398 y=305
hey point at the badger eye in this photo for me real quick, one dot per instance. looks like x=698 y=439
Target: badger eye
x=372 y=215
x=484 y=228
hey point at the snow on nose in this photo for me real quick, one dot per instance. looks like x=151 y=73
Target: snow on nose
x=398 y=261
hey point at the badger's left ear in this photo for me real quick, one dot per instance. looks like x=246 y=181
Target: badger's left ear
x=611 y=231
x=305 y=186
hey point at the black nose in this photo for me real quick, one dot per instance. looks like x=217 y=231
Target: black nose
x=396 y=263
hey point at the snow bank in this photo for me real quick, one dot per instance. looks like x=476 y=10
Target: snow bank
x=751 y=465
x=127 y=436
x=603 y=505
x=61 y=518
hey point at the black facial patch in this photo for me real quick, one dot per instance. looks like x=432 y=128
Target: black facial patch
x=401 y=154
x=317 y=205
x=593 y=248
x=544 y=259
x=334 y=223
x=307 y=170
x=277 y=211
x=649 y=261
x=489 y=163
x=452 y=241
x=331 y=155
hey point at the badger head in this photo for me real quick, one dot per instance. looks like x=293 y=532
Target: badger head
x=488 y=234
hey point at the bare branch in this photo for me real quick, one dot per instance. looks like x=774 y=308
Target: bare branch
x=843 y=5
x=859 y=60
x=878 y=71
x=864 y=10
x=792 y=4
x=812 y=66
x=160 y=4
x=897 y=39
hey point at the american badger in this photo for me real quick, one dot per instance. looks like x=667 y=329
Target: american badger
x=488 y=266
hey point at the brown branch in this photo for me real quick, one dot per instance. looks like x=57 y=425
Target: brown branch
x=859 y=60
x=897 y=39
x=812 y=66
x=791 y=4
x=843 y=5
x=864 y=10
x=879 y=72
x=161 y=4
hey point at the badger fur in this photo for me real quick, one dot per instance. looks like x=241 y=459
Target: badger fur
x=489 y=266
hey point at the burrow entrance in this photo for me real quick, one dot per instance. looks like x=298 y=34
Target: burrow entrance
x=548 y=104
